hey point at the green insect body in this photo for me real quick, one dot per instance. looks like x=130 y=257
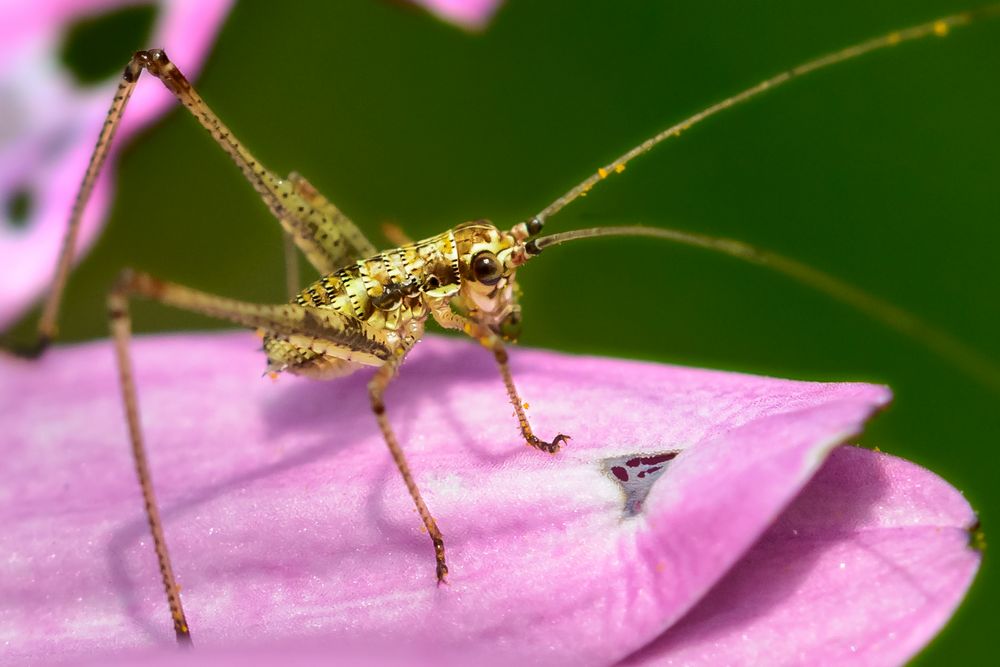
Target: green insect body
x=468 y=270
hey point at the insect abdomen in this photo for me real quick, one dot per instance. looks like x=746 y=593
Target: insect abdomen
x=383 y=291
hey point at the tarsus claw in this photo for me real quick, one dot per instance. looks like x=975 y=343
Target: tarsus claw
x=550 y=447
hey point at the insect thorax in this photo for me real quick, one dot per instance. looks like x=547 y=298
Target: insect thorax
x=386 y=292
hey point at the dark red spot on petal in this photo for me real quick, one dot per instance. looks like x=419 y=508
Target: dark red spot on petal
x=637 y=473
x=659 y=458
x=649 y=471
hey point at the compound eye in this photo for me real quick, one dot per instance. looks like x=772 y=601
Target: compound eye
x=486 y=268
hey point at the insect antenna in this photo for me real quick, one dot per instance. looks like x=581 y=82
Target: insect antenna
x=969 y=360
x=938 y=27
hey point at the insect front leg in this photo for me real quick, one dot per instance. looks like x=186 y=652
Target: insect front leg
x=376 y=391
x=449 y=319
x=495 y=344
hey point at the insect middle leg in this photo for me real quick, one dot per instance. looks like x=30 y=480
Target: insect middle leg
x=376 y=392
x=330 y=332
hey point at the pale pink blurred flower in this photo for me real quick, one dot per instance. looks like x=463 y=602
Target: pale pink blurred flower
x=296 y=543
x=49 y=124
x=468 y=14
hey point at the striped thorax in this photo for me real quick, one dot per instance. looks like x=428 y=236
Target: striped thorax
x=467 y=271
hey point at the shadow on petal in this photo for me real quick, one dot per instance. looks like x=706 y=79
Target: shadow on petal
x=287 y=521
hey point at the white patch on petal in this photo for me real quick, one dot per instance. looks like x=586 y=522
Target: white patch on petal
x=635 y=474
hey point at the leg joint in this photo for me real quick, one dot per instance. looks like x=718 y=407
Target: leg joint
x=153 y=61
x=136 y=282
x=124 y=283
x=156 y=62
x=375 y=395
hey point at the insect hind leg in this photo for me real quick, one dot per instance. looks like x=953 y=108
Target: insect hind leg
x=121 y=331
x=285 y=356
x=327 y=237
x=326 y=332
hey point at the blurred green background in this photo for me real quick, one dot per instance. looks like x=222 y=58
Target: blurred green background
x=882 y=171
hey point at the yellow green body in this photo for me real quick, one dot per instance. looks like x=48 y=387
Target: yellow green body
x=395 y=291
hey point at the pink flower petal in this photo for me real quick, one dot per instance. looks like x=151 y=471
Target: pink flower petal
x=468 y=14
x=287 y=519
x=864 y=567
x=48 y=126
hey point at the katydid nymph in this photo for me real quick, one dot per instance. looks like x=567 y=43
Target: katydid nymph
x=369 y=308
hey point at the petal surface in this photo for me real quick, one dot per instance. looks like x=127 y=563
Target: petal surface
x=287 y=519
x=49 y=124
x=864 y=567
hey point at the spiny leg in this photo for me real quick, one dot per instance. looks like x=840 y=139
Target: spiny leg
x=324 y=330
x=500 y=354
x=376 y=392
x=447 y=318
x=327 y=237
x=333 y=333
x=341 y=238
x=47 y=323
x=121 y=332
